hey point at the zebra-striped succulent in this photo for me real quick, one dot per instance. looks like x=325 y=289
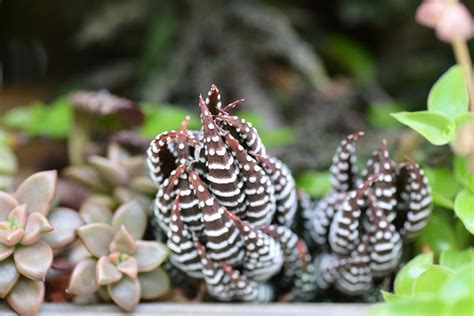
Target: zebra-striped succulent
x=227 y=206
x=361 y=224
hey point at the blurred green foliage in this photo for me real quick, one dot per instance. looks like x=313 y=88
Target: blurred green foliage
x=379 y=114
x=425 y=288
x=315 y=183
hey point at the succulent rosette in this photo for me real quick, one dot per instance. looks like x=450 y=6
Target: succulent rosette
x=115 y=179
x=117 y=264
x=29 y=231
x=227 y=207
x=363 y=222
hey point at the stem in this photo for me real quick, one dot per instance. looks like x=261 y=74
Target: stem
x=464 y=60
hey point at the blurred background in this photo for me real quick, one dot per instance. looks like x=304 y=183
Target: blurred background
x=310 y=71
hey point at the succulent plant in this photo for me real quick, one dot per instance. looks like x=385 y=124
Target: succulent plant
x=118 y=265
x=91 y=107
x=115 y=179
x=29 y=231
x=8 y=163
x=227 y=206
x=362 y=222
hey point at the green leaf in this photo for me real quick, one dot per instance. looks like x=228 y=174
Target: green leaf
x=420 y=306
x=462 y=172
x=277 y=137
x=464 y=209
x=438 y=235
x=449 y=94
x=316 y=184
x=444 y=186
x=437 y=128
x=456 y=259
x=460 y=286
x=392 y=297
x=462 y=118
x=406 y=277
x=430 y=281
x=461 y=307
x=379 y=114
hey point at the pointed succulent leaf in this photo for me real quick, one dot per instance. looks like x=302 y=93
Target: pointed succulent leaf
x=83 y=278
x=103 y=200
x=18 y=215
x=65 y=222
x=10 y=237
x=37 y=191
x=106 y=272
x=92 y=212
x=97 y=238
x=36 y=225
x=129 y=267
x=154 y=284
x=5 y=251
x=123 y=242
x=86 y=176
x=125 y=293
x=110 y=171
x=150 y=255
x=26 y=296
x=143 y=184
x=34 y=261
x=7 y=203
x=9 y=277
x=133 y=216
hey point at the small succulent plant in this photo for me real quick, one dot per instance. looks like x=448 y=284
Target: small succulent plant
x=29 y=231
x=362 y=222
x=227 y=206
x=116 y=178
x=118 y=265
x=8 y=163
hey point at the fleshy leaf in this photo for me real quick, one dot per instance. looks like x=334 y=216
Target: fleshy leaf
x=143 y=184
x=123 y=242
x=9 y=277
x=5 y=251
x=86 y=176
x=150 y=255
x=65 y=222
x=436 y=127
x=36 y=225
x=419 y=306
x=431 y=280
x=37 y=191
x=406 y=277
x=133 y=216
x=110 y=171
x=106 y=272
x=125 y=293
x=154 y=284
x=437 y=235
x=460 y=285
x=83 y=278
x=26 y=296
x=129 y=267
x=92 y=212
x=97 y=238
x=449 y=93
x=34 y=261
x=7 y=203
x=464 y=209
x=18 y=216
x=454 y=260
x=11 y=237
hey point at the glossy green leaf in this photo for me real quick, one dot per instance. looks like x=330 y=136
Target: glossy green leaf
x=463 y=306
x=462 y=118
x=462 y=173
x=405 y=279
x=315 y=183
x=430 y=281
x=449 y=94
x=436 y=127
x=454 y=260
x=460 y=286
x=444 y=186
x=464 y=209
x=392 y=297
x=438 y=235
